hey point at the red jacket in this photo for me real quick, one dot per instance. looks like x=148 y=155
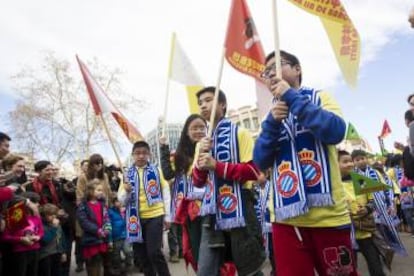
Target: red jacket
x=5 y=194
x=240 y=172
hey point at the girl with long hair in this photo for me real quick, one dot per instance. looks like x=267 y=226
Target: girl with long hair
x=186 y=198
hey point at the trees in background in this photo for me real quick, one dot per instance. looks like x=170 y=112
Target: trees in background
x=53 y=118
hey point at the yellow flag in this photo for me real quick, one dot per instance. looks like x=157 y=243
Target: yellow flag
x=342 y=34
x=192 y=98
x=182 y=70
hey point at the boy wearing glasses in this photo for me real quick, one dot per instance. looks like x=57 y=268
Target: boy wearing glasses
x=311 y=226
x=147 y=199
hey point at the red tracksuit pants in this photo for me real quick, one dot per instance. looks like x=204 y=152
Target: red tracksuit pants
x=303 y=251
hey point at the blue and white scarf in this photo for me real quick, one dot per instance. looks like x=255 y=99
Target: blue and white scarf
x=263 y=214
x=223 y=197
x=153 y=193
x=193 y=192
x=179 y=193
x=301 y=172
x=388 y=230
x=208 y=206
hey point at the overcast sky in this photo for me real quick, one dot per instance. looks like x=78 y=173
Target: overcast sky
x=135 y=36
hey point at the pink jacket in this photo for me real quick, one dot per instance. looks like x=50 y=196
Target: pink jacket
x=34 y=227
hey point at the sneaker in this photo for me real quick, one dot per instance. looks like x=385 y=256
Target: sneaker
x=174 y=259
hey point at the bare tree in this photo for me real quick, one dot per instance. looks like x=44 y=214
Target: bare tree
x=54 y=118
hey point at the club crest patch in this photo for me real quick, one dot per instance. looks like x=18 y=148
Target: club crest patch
x=179 y=199
x=152 y=188
x=133 y=225
x=227 y=201
x=209 y=190
x=311 y=169
x=287 y=182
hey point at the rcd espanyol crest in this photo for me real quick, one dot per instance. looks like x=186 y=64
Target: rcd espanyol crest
x=179 y=199
x=227 y=201
x=133 y=225
x=209 y=190
x=311 y=169
x=152 y=188
x=287 y=182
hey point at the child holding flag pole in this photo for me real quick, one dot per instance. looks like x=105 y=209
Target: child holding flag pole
x=309 y=205
x=224 y=161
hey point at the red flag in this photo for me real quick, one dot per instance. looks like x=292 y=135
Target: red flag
x=16 y=216
x=386 y=130
x=243 y=48
x=102 y=104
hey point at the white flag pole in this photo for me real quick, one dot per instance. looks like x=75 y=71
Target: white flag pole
x=276 y=40
x=216 y=94
x=111 y=141
x=167 y=92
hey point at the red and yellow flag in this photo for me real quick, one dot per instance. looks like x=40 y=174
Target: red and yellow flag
x=102 y=104
x=16 y=216
x=244 y=50
x=386 y=130
x=342 y=34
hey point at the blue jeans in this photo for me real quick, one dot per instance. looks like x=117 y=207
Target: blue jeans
x=245 y=244
x=408 y=214
x=209 y=259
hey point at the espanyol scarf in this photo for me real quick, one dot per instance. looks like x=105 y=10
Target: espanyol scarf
x=152 y=189
x=179 y=192
x=225 y=195
x=208 y=206
x=263 y=214
x=388 y=230
x=192 y=191
x=301 y=171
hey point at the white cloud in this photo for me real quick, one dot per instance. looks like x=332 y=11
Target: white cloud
x=135 y=36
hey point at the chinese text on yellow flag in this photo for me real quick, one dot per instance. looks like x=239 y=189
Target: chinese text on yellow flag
x=342 y=34
x=182 y=70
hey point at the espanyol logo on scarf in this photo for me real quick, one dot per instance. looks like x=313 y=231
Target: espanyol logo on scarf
x=133 y=225
x=179 y=199
x=287 y=183
x=209 y=190
x=311 y=169
x=227 y=201
x=152 y=188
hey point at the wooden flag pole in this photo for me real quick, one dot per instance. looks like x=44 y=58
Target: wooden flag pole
x=276 y=40
x=216 y=94
x=164 y=118
x=381 y=144
x=111 y=141
x=167 y=92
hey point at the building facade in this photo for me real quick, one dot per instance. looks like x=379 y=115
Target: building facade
x=173 y=132
x=247 y=117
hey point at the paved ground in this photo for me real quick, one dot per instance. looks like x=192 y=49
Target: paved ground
x=401 y=266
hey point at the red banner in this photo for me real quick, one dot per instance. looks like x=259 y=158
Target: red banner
x=386 y=130
x=244 y=50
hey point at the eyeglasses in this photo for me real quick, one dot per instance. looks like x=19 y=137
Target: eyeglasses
x=200 y=128
x=269 y=70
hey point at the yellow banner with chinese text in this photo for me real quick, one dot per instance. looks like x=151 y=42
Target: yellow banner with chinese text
x=343 y=36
